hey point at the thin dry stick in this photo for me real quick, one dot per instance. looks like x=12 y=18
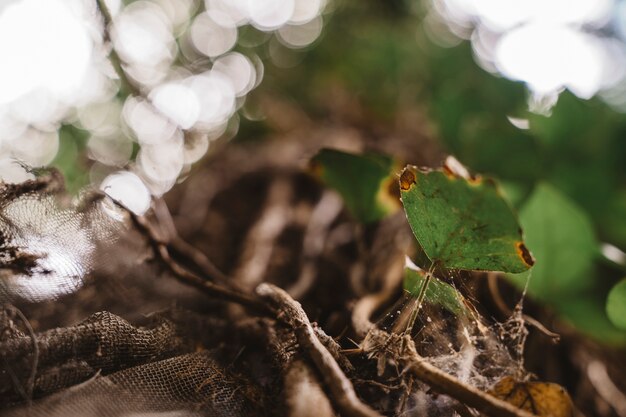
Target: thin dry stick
x=341 y=389
x=199 y=259
x=181 y=247
x=605 y=387
x=30 y=383
x=367 y=305
x=261 y=239
x=449 y=385
x=33 y=371
x=334 y=348
x=189 y=278
x=118 y=65
x=115 y=59
x=318 y=227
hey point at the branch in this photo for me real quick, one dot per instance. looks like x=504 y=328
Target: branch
x=189 y=278
x=115 y=59
x=30 y=383
x=180 y=247
x=451 y=386
x=118 y=65
x=341 y=389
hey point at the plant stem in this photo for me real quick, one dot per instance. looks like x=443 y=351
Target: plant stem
x=419 y=300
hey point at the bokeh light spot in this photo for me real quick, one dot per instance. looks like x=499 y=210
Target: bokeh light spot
x=127 y=189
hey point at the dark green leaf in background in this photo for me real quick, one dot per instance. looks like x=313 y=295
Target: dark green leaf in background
x=587 y=313
x=365 y=182
x=563 y=242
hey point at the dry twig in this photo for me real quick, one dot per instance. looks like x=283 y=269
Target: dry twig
x=30 y=383
x=451 y=386
x=261 y=239
x=341 y=389
x=115 y=59
x=180 y=247
x=605 y=387
x=189 y=278
x=324 y=214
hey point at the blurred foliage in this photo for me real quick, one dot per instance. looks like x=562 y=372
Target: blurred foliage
x=566 y=173
x=563 y=243
x=616 y=305
x=364 y=182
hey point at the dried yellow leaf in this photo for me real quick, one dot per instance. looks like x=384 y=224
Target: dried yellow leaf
x=544 y=399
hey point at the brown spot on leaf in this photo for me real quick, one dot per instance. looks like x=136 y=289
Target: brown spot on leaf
x=475 y=180
x=524 y=254
x=315 y=168
x=407 y=179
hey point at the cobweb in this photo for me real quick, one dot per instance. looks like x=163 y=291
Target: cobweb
x=462 y=343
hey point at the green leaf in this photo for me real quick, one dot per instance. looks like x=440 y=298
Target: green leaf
x=364 y=182
x=616 y=305
x=463 y=223
x=438 y=292
x=588 y=315
x=563 y=242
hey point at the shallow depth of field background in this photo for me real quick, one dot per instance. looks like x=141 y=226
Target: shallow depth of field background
x=531 y=92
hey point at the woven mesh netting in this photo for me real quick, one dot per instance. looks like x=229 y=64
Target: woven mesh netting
x=187 y=385
x=63 y=261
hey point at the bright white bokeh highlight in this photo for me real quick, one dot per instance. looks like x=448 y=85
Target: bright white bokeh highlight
x=127 y=189
x=43 y=46
x=270 y=14
x=239 y=70
x=301 y=36
x=178 y=102
x=55 y=69
x=143 y=35
x=550 y=45
x=549 y=57
x=213 y=33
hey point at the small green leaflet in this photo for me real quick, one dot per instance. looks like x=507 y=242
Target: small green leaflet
x=363 y=181
x=463 y=222
x=438 y=292
x=616 y=305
